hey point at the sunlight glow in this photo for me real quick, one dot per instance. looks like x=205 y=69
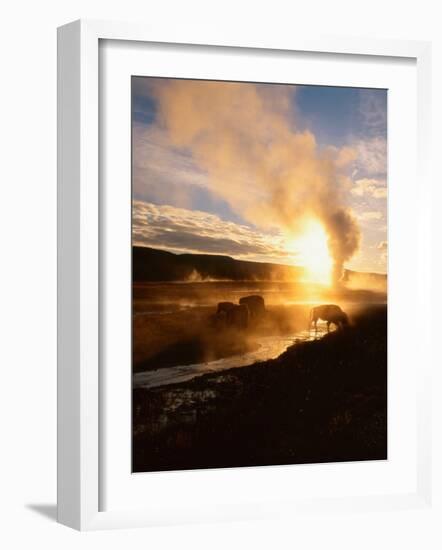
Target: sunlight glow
x=312 y=252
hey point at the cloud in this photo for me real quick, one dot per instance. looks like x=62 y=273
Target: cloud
x=383 y=247
x=373 y=111
x=343 y=157
x=369 y=187
x=380 y=193
x=171 y=228
x=370 y=215
x=371 y=160
x=161 y=171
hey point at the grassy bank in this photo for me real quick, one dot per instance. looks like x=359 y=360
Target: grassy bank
x=320 y=401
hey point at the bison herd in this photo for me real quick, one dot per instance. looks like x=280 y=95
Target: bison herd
x=239 y=316
x=251 y=309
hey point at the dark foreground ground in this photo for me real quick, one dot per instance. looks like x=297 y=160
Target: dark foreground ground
x=320 y=401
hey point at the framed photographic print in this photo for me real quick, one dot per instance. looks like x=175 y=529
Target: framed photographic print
x=233 y=276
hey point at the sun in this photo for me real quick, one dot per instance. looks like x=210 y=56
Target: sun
x=311 y=252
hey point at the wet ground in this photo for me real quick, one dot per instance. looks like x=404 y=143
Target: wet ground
x=319 y=401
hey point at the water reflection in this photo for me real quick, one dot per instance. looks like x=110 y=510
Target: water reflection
x=269 y=347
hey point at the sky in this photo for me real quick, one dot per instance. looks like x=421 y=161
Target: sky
x=239 y=169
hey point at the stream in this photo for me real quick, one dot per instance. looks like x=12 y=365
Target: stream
x=270 y=347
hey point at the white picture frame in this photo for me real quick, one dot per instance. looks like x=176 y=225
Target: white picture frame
x=79 y=264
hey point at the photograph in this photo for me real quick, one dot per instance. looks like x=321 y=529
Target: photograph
x=259 y=274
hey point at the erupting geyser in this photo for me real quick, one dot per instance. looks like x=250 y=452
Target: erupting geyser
x=268 y=171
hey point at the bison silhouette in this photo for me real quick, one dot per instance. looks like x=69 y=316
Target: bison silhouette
x=238 y=316
x=224 y=307
x=255 y=305
x=330 y=313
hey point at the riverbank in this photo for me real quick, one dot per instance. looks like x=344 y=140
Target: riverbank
x=319 y=401
x=172 y=322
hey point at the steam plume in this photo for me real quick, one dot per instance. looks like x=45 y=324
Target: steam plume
x=245 y=137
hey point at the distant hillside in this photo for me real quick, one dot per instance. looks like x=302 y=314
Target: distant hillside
x=357 y=279
x=150 y=264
